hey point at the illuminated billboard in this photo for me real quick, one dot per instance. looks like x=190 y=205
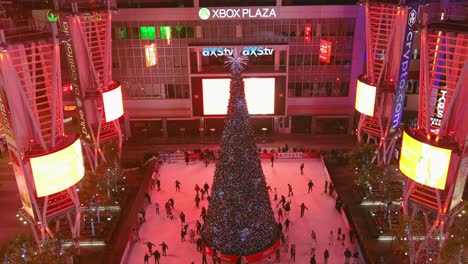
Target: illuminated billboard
x=424 y=163
x=325 y=51
x=365 y=98
x=259 y=94
x=57 y=171
x=113 y=105
x=150 y=55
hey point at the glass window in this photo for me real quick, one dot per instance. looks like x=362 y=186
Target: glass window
x=147 y=33
x=166 y=32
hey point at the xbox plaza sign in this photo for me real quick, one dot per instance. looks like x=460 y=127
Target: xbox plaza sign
x=233 y=13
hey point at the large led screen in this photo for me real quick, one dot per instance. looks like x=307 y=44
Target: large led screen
x=59 y=170
x=259 y=94
x=113 y=105
x=365 y=98
x=424 y=163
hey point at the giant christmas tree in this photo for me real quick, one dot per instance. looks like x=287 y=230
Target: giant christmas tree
x=240 y=219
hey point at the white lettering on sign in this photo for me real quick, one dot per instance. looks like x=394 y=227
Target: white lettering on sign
x=438 y=114
x=223 y=13
x=246 y=51
x=288 y=155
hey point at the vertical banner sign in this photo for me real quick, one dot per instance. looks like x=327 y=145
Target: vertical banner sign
x=78 y=93
x=325 y=51
x=405 y=61
x=438 y=112
x=17 y=168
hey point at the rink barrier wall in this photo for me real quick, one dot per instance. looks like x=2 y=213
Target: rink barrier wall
x=278 y=155
x=131 y=238
x=250 y=258
x=350 y=223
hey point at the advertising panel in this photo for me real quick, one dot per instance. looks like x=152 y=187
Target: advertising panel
x=438 y=112
x=78 y=93
x=424 y=163
x=236 y=13
x=406 y=56
x=365 y=98
x=150 y=55
x=59 y=170
x=21 y=181
x=113 y=105
x=325 y=51
x=259 y=94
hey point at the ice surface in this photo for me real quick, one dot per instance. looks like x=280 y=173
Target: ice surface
x=320 y=216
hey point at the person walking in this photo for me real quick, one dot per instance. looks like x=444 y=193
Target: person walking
x=283 y=200
x=313 y=235
x=150 y=246
x=312 y=247
x=303 y=208
x=158 y=184
x=206 y=187
x=286 y=224
x=310 y=185
x=272 y=159
x=197 y=188
x=156 y=256
x=182 y=234
x=326 y=255
x=198 y=225
x=347 y=254
x=136 y=234
x=312 y=260
x=330 y=238
x=146 y=258
x=164 y=248
x=339 y=233
x=293 y=252
x=204 y=258
x=199 y=243
x=326 y=187
x=202 y=191
x=197 y=201
x=148 y=197
x=343 y=237
x=182 y=218
x=186 y=158
x=280 y=214
x=356 y=257
x=171 y=202
x=302 y=168
x=290 y=191
x=156 y=205
x=177 y=186
x=192 y=236
x=275 y=193
x=331 y=188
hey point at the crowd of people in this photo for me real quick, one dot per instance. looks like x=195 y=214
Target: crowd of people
x=283 y=205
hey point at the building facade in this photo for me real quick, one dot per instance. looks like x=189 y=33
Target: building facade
x=312 y=56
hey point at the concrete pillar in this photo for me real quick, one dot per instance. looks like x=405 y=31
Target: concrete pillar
x=164 y=127
x=199 y=61
x=277 y=59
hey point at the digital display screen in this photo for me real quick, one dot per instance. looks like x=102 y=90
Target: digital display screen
x=150 y=55
x=59 y=170
x=325 y=51
x=113 y=105
x=424 y=163
x=259 y=94
x=365 y=98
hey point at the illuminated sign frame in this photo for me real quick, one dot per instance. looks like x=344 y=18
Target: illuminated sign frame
x=438 y=113
x=112 y=102
x=52 y=175
x=240 y=13
x=424 y=163
x=364 y=93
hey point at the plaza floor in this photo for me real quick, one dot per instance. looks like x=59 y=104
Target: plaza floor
x=321 y=215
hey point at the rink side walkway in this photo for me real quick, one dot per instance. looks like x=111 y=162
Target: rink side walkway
x=320 y=216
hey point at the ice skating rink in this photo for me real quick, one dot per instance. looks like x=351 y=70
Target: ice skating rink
x=320 y=216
